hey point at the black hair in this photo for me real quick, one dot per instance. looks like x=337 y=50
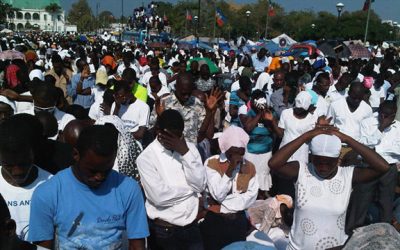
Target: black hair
x=129 y=75
x=77 y=111
x=50 y=79
x=156 y=79
x=101 y=139
x=357 y=84
x=171 y=119
x=108 y=97
x=391 y=105
x=56 y=58
x=49 y=123
x=19 y=133
x=322 y=76
x=256 y=94
x=245 y=82
x=121 y=85
x=45 y=91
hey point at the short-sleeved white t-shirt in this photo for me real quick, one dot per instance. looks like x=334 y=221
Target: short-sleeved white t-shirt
x=134 y=115
x=18 y=200
x=376 y=95
x=349 y=122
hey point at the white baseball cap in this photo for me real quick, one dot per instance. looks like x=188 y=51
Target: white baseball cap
x=303 y=100
x=326 y=145
x=36 y=73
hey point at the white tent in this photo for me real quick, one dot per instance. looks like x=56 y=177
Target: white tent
x=284 y=40
x=6 y=31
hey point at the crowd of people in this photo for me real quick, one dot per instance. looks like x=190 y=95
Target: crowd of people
x=148 y=18
x=109 y=145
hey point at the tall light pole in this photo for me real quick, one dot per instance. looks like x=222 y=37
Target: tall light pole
x=339 y=8
x=198 y=20
x=122 y=14
x=196 y=28
x=247 y=22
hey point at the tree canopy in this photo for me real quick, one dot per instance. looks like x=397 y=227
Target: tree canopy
x=301 y=25
x=81 y=15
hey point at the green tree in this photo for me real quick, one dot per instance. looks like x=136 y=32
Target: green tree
x=106 y=18
x=6 y=9
x=81 y=15
x=54 y=9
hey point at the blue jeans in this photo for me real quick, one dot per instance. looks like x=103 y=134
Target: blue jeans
x=175 y=238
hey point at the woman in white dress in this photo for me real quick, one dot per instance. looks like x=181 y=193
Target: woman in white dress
x=322 y=187
x=295 y=122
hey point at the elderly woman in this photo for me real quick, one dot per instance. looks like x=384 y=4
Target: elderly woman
x=232 y=187
x=323 y=188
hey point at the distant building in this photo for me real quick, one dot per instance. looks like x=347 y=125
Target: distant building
x=33 y=15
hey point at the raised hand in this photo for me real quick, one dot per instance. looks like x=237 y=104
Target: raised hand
x=213 y=99
x=267 y=115
x=171 y=141
x=105 y=108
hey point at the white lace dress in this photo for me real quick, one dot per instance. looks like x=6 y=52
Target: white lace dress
x=320 y=209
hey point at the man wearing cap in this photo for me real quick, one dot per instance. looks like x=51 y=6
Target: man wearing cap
x=382 y=133
x=323 y=187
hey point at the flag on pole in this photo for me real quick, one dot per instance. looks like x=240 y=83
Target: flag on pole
x=367 y=4
x=188 y=15
x=271 y=10
x=220 y=18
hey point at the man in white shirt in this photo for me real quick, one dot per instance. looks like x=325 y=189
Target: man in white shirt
x=173 y=177
x=381 y=132
x=339 y=90
x=154 y=71
x=347 y=114
x=133 y=111
x=128 y=59
x=260 y=60
x=19 y=177
x=44 y=100
x=321 y=87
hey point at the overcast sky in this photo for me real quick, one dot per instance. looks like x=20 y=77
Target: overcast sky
x=386 y=9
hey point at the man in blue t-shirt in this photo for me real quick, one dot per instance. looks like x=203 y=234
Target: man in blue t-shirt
x=90 y=206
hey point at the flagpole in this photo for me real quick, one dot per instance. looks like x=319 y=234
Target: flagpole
x=215 y=13
x=198 y=22
x=186 y=23
x=366 y=26
x=266 y=24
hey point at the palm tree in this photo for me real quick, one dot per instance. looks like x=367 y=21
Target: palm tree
x=53 y=9
x=6 y=10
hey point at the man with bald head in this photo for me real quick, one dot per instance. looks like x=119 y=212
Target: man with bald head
x=198 y=116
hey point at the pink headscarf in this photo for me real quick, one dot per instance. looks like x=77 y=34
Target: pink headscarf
x=233 y=137
x=11 y=75
x=368 y=82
